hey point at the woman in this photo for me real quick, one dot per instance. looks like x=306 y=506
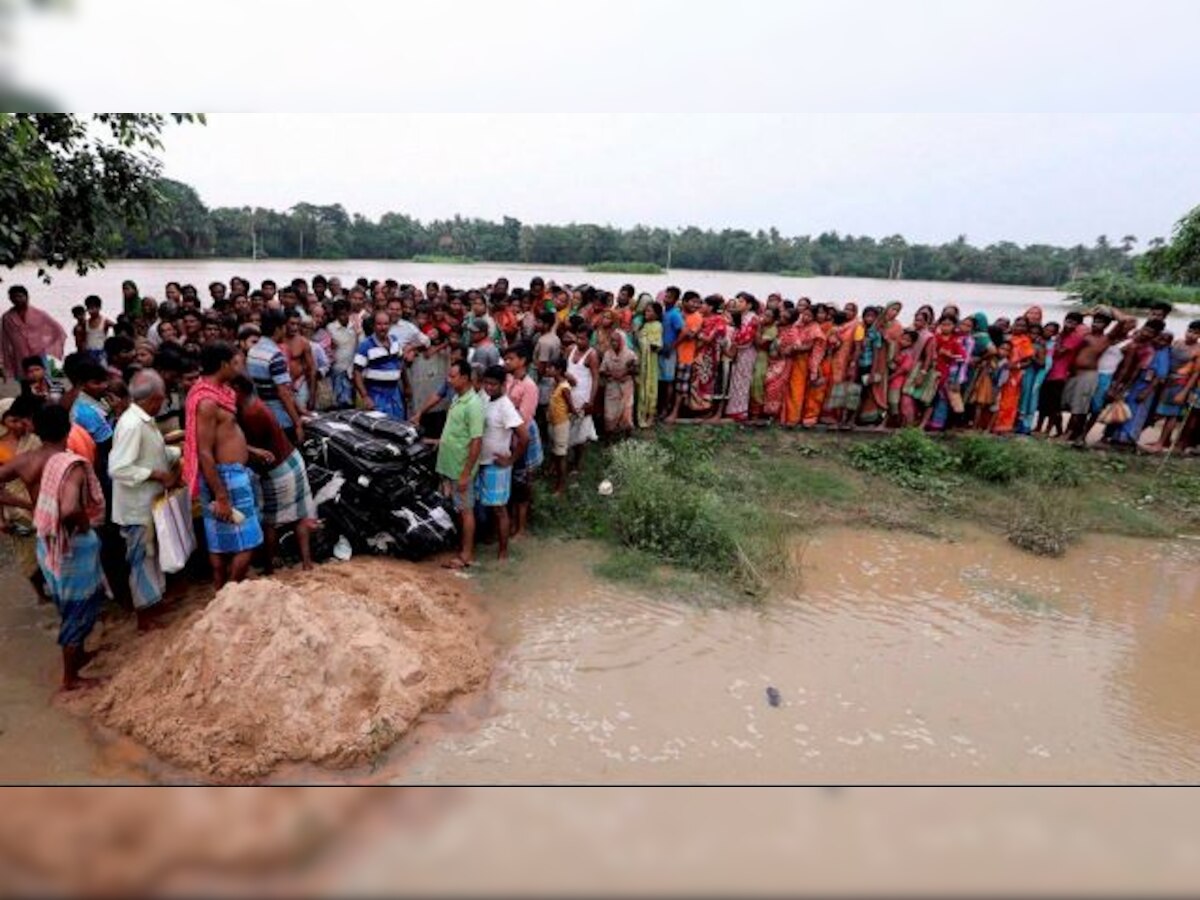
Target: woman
x=1020 y=355
x=874 y=363
x=846 y=334
x=779 y=364
x=806 y=347
x=764 y=341
x=706 y=370
x=818 y=389
x=921 y=384
x=1035 y=375
x=131 y=301
x=745 y=356
x=618 y=367
x=650 y=338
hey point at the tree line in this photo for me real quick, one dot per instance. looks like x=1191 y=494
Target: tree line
x=182 y=227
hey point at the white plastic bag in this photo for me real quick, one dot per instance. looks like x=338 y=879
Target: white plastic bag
x=173 y=529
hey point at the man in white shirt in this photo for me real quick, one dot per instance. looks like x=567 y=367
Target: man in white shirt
x=142 y=467
x=505 y=436
x=345 y=337
x=404 y=332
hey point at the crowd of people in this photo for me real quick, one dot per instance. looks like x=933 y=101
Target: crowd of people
x=213 y=396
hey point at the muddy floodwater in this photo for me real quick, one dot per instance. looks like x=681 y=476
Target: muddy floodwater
x=893 y=658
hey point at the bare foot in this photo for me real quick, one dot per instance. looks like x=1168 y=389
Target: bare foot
x=457 y=563
x=79 y=683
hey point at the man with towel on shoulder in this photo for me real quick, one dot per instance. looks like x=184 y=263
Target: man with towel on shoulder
x=214 y=465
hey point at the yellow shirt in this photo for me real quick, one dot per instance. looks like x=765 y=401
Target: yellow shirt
x=558 y=410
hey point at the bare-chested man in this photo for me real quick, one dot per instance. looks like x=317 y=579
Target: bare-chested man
x=302 y=366
x=1081 y=386
x=215 y=456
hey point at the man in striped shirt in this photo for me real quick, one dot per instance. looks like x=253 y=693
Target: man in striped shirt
x=379 y=370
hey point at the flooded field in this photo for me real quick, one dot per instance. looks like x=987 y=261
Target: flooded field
x=892 y=658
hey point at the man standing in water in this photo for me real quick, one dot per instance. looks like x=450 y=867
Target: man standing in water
x=214 y=465
x=1081 y=386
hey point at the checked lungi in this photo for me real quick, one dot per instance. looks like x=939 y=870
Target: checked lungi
x=146 y=579
x=78 y=588
x=286 y=496
x=231 y=537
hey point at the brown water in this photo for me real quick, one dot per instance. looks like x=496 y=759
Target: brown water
x=897 y=658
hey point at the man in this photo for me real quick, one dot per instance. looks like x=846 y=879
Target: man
x=477 y=312
x=267 y=367
x=344 y=340
x=69 y=506
x=672 y=326
x=482 y=352
x=537 y=296
x=685 y=350
x=88 y=412
x=142 y=467
x=427 y=379
x=379 y=370
x=403 y=332
x=286 y=497
x=546 y=350
x=1051 y=399
x=214 y=465
x=216 y=290
x=523 y=391
x=27 y=331
x=458 y=456
x=1175 y=400
x=302 y=366
x=269 y=289
x=1081 y=386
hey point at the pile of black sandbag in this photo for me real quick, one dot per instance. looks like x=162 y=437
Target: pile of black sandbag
x=373 y=480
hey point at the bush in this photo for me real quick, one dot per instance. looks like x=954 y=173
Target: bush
x=632 y=268
x=1111 y=289
x=908 y=457
x=989 y=459
x=438 y=259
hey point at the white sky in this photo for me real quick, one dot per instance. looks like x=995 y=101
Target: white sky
x=1023 y=120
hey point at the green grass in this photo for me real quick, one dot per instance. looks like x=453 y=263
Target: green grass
x=439 y=259
x=1123 y=292
x=633 y=268
x=797 y=273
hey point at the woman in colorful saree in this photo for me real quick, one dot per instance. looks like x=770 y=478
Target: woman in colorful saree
x=779 y=365
x=874 y=361
x=806 y=347
x=818 y=389
x=649 y=339
x=921 y=384
x=843 y=339
x=706 y=370
x=745 y=354
x=618 y=368
x=1035 y=375
x=1019 y=359
x=764 y=342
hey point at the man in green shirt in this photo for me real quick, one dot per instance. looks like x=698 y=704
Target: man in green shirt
x=458 y=455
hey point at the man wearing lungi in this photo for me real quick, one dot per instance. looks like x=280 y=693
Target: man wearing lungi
x=379 y=369
x=142 y=467
x=214 y=465
x=281 y=475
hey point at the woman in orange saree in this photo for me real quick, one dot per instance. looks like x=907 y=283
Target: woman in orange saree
x=806 y=348
x=779 y=366
x=814 y=400
x=844 y=339
x=1010 y=394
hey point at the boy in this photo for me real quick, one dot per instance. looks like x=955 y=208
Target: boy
x=34 y=379
x=505 y=436
x=558 y=420
x=95 y=329
x=79 y=314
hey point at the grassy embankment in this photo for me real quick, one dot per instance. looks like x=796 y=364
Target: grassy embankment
x=698 y=508
x=631 y=268
x=436 y=259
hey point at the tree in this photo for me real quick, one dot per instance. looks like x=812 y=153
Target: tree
x=1177 y=262
x=66 y=180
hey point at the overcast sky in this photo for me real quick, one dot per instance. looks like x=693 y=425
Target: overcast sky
x=1047 y=121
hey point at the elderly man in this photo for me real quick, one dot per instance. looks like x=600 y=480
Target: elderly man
x=142 y=467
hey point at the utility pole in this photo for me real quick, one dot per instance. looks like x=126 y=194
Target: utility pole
x=669 y=237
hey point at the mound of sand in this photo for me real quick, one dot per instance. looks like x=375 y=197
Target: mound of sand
x=328 y=667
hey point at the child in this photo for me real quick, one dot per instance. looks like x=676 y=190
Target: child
x=558 y=419
x=1000 y=372
x=35 y=380
x=902 y=408
x=96 y=329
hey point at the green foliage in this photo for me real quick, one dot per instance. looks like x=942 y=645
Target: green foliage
x=441 y=259
x=1124 y=292
x=989 y=459
x=633 y=268
x=1179 y=261
x=72 y=185
x=909 y=458
x=328 y=232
